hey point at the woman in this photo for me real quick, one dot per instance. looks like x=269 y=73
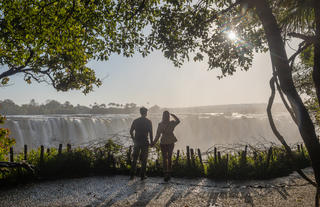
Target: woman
x=165 y=130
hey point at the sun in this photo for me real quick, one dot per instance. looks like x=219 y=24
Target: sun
x=232 y=35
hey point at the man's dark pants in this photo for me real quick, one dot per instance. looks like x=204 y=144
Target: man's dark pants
x=143 y=151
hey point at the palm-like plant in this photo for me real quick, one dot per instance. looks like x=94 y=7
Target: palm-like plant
x=296 y=16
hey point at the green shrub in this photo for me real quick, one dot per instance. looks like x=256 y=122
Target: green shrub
x=5 y=141
x=112 y=159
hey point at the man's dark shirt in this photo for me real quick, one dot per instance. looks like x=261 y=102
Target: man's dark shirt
x=142 y=126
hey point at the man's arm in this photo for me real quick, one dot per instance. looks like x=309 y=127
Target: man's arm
x=157 y=135
x=151 y=133
x=132 y=129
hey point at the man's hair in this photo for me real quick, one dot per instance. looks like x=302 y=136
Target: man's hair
x=143 y=110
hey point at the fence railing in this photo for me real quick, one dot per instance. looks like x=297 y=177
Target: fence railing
x=191 y=153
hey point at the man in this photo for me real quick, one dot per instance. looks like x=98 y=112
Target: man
x=142 y=127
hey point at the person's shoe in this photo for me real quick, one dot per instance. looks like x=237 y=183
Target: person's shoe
x=169 y=176
x=166 y=179
x=143 y=177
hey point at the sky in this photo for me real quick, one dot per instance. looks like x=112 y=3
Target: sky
x=154 y=80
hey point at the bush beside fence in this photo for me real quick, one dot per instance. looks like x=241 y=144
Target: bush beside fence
x=114 y=159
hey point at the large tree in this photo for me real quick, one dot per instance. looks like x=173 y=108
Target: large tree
x=53 y=40
x=226 y=33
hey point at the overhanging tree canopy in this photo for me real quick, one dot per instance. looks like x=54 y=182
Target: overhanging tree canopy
x=53 y=40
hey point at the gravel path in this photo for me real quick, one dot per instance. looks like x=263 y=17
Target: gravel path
x=119 y=191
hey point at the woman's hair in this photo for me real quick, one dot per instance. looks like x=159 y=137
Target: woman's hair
x=165 y=117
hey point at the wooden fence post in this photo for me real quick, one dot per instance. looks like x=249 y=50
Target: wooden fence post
x=25 y=152
x=226 y=165
x=298 y=148
x=227 y=161
x=68 y=147
x=41 y=153
x=113 y=162
x=192 y=157
x=177 y=158
x=219 y=156
x=11 y=154
x=48 y=151
x=244 y=155
x=302 y=150
x=269 y=156
x=245 y=151
x=200 y=157
x=60 y=149
x=215 y=155
x=255 y=155
x=188 y=156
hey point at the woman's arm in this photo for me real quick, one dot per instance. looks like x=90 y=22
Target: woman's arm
x=157 y=136
x=177 y=120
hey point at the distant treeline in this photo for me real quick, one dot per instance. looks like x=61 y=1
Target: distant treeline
x=8 y=107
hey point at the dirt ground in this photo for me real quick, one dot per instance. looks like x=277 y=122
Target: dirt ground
x=119 y=191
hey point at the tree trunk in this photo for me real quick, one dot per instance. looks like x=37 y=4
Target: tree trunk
x=316 y=66
x=8 y=73
x=280 y=61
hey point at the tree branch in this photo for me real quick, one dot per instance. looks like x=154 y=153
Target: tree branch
x=47 y=73
x=308 y=39
x=15 y=70
x=293 y=116
x=289 y=109
x=32 y=75
x=8 y=73
x=279 y=136
x=44 y=72
x=224 y=11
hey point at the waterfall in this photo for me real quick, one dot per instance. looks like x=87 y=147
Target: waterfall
x=196 y=130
